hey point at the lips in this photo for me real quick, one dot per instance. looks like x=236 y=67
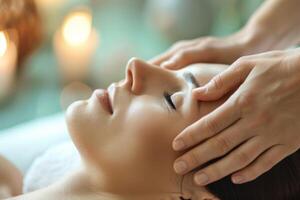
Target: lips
x=104 y=99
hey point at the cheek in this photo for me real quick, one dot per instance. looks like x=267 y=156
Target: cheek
x=149 y=133
x=146 y=121
x=146 y=136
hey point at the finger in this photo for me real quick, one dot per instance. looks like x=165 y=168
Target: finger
x=224 y=82
x=179 y=59
x=200 y=50
x=263 y=164
x=187 y=56
x=237 y=159
x=215 y=147
x=161 y=58
x=208 y=126
x=169 y=53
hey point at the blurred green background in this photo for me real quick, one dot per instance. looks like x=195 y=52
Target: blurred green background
x=126 y=28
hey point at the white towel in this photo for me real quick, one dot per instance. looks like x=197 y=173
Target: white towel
x=54 y=164
x=23 y=143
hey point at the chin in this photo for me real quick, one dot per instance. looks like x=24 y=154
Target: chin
x=75 y=113
x=84 y=125
x=75 y=119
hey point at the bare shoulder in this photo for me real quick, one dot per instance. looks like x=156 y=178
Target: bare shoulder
x=38 y=195
x=44 y=195
x=11 y=179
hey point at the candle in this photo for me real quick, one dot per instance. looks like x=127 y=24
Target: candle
x=75 y=44
x=3 y=44
x=8 y=62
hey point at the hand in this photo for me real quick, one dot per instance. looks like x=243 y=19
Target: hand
x=254 y=129
x=211 y=49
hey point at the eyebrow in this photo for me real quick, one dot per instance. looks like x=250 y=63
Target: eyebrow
x=190 y=78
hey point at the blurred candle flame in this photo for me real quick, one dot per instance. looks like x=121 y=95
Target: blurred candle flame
x=3 y=43
x=77 y=28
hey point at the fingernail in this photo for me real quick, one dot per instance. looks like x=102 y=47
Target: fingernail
x=201 y=179
x=238 y=179
x=178 y=145
x=180 y=166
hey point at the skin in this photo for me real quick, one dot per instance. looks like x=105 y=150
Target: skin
x=10 y=179
x=271 y=78
x=120 y=151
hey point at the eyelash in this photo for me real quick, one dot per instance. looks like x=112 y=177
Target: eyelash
x=169 y=100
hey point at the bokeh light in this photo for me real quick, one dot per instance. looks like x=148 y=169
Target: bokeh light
x=77 y=27
x=3 y=43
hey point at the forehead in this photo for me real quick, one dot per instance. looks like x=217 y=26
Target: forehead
x=203 y=72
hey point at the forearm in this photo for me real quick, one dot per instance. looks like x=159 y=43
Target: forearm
x=275 y=25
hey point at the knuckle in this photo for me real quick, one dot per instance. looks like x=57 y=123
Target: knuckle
x=236 y=68
x=210 y=125
x=214 y=172
x=191 y=138
x=194 y=158
x=207 y=43
x=243 y=158
x=266 y=164
x=182 y=55
x=223 y=144
x=242 y=61
x=217 y=82
x=246 y=99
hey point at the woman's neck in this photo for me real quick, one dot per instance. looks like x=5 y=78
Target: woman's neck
x=87 y=185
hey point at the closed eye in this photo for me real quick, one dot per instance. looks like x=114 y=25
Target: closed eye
x=169 y=100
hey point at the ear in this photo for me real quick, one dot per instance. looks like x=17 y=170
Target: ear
x=207 y=196
x=198 y=193
x=178 y=197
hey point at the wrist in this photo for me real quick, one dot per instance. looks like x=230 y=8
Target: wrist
x=258 y=38
x=272 y=31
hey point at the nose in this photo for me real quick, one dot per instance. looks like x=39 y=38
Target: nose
x=137 y=72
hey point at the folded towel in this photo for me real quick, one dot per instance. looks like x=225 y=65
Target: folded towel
x=54 y=164
x=25 y=142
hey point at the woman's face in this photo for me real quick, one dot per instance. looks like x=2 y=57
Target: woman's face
x=132 y=145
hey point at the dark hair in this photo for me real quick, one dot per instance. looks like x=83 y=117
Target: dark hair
x=282 y=182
